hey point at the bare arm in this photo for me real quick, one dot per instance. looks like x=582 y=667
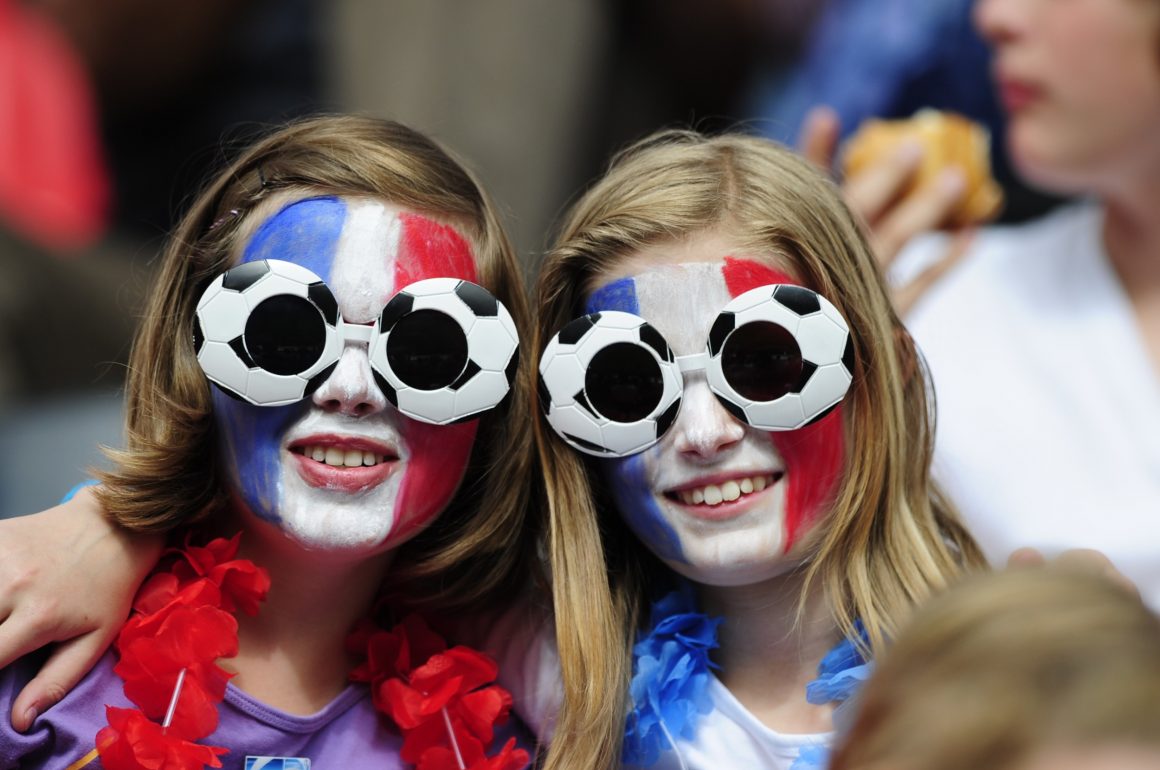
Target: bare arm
x=67 y=575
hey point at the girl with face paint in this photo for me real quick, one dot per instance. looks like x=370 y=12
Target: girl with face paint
x=735 y=557
x=351 y=505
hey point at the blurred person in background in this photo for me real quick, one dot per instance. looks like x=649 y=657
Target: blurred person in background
x=109 y=109
x=1044 y=341
x=1017 y=670
x=770 y=62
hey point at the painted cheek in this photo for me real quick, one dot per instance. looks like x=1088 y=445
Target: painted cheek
x=251 y=439
x=438 y=454
x=438 y=458
x=813 y=458
x=813 y=455
x=431 y=250
x=637 y=504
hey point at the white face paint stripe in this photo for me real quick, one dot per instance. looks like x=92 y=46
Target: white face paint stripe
x=370 y=234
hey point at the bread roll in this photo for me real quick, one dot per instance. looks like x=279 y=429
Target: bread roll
x=947 y=140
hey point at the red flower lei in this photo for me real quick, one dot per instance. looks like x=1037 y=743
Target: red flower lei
x=441 y=700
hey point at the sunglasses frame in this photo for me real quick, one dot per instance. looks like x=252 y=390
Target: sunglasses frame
x=817 y=327
x=228 y=303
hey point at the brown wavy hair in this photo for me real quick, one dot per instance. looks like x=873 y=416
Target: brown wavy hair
x=890 y=539
x=170 y=474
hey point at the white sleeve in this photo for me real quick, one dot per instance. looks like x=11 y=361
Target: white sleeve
x=522 y=641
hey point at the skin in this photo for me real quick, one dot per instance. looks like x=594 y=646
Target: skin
x=740 y=554
x=358 y=247
x=712 y=541
x=1080 y=81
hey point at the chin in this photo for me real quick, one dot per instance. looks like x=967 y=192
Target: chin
x=1046 y=165
x=337 y=530
x=747 y=558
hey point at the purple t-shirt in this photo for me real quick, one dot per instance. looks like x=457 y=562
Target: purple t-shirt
x=348 y=733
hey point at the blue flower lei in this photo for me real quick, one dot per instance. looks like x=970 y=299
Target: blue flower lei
x=671 y=676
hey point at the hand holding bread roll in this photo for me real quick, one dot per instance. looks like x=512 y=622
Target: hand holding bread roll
x=947 y=141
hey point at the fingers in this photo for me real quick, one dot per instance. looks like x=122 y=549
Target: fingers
x=21 y=633
x=922 y=211
x=1079 y=559
x=871 y=192
x=67 y=665
x=1026 y=557
x=818 y=140
x=906 y=296
x=1096 y=563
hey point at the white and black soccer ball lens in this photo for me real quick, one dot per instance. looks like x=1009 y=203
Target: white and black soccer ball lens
x=244 y=320
x=818 y=331
x=566 y=382
x=446 y=350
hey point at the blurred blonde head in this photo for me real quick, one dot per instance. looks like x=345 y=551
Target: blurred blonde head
x=887 y=540
x=1024 y=669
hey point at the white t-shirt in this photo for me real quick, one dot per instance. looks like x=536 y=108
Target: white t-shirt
x=1048 y=403
x=731 y=737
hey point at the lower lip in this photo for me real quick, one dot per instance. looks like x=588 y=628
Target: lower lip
x=1016 y=96
x=724 y=511
x=343 y=479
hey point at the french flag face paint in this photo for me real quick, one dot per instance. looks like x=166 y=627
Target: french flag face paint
x=344 y=469
x=721 y=502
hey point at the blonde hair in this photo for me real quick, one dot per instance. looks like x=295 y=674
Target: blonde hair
x=169 y=473
x=890 y=538
x=1008 y=663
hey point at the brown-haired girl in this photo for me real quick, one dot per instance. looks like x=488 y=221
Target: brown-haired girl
x=292 y=381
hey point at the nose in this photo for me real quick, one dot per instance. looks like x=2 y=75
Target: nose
x=704 y=428
x=999 y=21
x=351 y=389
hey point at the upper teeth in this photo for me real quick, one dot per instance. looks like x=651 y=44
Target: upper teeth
x=715 y=494
x=343 y=458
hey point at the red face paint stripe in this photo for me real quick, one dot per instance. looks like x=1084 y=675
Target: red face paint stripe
x=741 y=275
x=813 y=458
x=430 y=249
x=814 y=454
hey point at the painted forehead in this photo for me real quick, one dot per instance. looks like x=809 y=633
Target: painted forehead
x=387 y=245
x=659 y=290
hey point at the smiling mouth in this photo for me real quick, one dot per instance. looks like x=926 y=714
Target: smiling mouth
x=337 y=457
x=725 y=492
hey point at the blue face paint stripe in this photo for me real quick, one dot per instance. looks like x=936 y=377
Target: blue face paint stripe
x=617 y=295
x=628 y=476
x=306 y=232
x=252 y=452
x=634 y=497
